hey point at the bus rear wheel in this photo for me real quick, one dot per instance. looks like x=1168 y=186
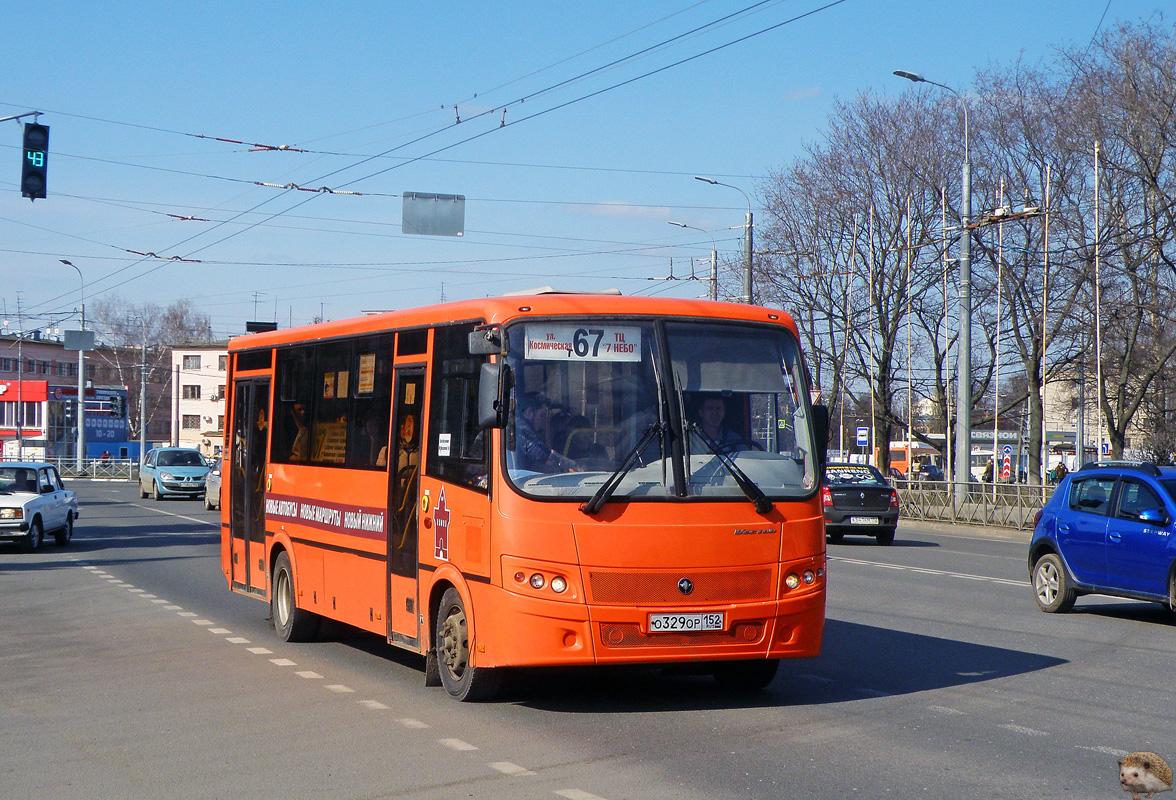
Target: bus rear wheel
x=452 y=642
x=291 y=623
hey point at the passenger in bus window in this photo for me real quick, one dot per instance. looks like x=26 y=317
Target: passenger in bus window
x=299 y=449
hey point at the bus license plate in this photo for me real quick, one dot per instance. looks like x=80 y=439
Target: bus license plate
x=666 y=623
x=863 y=520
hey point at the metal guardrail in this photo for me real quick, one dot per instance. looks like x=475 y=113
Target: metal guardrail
x=1000 y=506
x=107 y=469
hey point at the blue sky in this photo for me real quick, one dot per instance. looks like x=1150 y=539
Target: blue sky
x=575 y=196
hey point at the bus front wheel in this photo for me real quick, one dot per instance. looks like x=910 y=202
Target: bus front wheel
x=452 y=642
x=291 y=623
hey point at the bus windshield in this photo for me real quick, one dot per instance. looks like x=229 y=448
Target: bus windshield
x=657 y=410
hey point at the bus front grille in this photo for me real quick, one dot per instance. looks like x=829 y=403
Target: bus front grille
x=625 y=634
x=666 y=588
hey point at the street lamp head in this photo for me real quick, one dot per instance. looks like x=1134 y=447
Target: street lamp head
x=67 y=263
x=679 y=224
x=910 y=76
x=711 y=181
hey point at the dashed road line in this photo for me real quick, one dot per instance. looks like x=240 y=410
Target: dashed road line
x=309 y=675
x=576 y=794
x=509 y=768
x=926 y=571
x=339 y=688
x=456 y=744
x=1024 y=730
x=409 y=722
x=375 y=705
x=283 y=662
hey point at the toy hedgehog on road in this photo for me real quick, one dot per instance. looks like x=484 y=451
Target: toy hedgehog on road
x=1144 y=773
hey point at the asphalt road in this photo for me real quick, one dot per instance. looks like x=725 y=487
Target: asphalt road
x=127 y=670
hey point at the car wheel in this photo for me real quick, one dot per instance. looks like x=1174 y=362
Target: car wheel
x=208 y=505
x=460 y=679
x=63 y=536
x=291 y=623
x=142 y=491
x=834 y=537
x=745 y=676
x=1172 y=591
x=155 y=493
x=1051 y=585
x=886 y=536
x=36 y=536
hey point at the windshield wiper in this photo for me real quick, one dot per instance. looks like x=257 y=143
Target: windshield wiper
x=609 y=486
x=754 y=493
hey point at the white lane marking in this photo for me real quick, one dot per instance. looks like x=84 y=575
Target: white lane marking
x=150 y=597
x=116 y=581
x=456 y=744
x=181 y=516
x=173 y=608
x=187 y=614
x=283 y=662
x=945 y=710
x=576 y=794
x=308 y=674
x=507 y=768
x=133 y=590
x=90 y=567
x=926 y=571
x=339 y=688
x=409 y=722
x=1024 y=730
x=203 y=622
x=237 y=640
x=259 y=651
x=160 y=600
x=375 y=705
x=1109 y=751
x=219 y=631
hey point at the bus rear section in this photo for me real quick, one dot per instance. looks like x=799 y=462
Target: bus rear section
x=585 y=481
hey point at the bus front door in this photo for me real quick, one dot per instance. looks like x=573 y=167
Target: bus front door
x=247 y=486
x=403 y=502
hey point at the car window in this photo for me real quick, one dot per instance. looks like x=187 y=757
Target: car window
x=1091 y=495
x=1135 y=498
x=857 y=475
x=45 y=480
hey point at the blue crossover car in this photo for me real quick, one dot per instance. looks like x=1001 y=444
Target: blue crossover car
x=1107 y=529
x=173 y=472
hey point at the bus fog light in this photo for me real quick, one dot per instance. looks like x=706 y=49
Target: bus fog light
x=538 y=581
x=520 y=577
x=792 y=581
x=558 y=584
x=808 y=576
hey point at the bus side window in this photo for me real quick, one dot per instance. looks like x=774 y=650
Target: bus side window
x=458 y=452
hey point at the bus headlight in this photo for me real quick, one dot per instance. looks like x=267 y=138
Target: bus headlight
x=558 y=584
x=808 y=576
x=792 y=581
x=538 y=581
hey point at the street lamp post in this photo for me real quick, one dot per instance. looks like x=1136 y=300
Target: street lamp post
x=747 y=235
x=963 y=450
x=714 y=278
x=81 y=454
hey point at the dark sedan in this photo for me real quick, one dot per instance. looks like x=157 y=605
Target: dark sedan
x=858 y=501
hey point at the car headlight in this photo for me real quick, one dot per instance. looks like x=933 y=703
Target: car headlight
x=11 y=513
x=167 y=476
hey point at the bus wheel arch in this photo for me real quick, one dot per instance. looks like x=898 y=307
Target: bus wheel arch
x=291 y=623
x=451 y=653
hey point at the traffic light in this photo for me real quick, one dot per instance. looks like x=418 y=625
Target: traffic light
x=35 y=164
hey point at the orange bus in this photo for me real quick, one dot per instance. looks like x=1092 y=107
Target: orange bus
x=534 y=480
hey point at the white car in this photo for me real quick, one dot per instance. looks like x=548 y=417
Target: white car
x=33 y=502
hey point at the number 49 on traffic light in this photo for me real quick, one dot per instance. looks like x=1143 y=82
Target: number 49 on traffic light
x=35 y=163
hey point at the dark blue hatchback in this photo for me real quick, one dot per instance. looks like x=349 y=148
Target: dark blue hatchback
x=1107 y=529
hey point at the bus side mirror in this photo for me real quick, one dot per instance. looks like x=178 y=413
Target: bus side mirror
x=821 y=434
x=491 y=405
x=486 y=340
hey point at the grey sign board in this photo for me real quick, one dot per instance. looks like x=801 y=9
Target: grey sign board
x=79 y=340
x=433 y=214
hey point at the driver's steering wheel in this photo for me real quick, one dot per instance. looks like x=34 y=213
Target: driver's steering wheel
x=727 y=448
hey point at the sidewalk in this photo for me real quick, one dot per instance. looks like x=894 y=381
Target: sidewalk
x=916 y=526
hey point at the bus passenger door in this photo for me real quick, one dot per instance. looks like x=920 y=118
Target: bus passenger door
x=250 y=429
x=403 y=506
